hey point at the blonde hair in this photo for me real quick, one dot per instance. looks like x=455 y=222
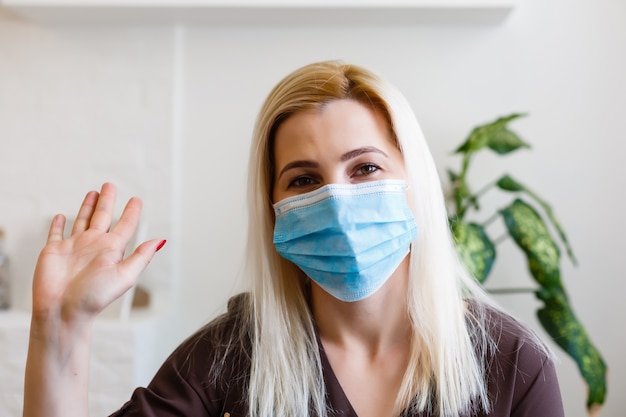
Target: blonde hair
x=446 y=373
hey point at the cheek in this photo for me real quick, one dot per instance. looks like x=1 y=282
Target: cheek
x=412 y=193
x=410 y=199
x=277 y=193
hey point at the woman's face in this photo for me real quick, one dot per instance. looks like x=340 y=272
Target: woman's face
x=344 y=142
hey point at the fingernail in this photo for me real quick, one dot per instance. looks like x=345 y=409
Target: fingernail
x=161 y=244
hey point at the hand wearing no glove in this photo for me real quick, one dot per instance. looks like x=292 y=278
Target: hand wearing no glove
x=79 y=276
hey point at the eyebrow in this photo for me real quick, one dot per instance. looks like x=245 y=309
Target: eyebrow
x=360 y=151
x=297 y=164
x=345 y=157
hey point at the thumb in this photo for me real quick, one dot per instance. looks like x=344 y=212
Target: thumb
x=134 y=264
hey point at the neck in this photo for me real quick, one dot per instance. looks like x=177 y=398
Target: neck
x=376 y=323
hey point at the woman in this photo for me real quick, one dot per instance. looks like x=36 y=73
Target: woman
x=358 y=303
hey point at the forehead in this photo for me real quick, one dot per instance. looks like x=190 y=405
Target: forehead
x=335 y=126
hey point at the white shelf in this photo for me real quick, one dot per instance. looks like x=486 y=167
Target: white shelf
x=264 y=12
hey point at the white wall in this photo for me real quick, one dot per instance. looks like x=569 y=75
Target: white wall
x=166 y=112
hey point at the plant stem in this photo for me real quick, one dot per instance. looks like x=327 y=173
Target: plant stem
x=474 y=197
x=490 y=220
x=501 y=239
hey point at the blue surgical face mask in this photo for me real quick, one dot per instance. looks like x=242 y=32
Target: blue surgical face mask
x=347 y=238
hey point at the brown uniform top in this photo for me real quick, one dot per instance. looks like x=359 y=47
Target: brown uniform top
x=522 y=380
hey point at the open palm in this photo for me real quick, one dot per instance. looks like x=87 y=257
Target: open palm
x=78 y=276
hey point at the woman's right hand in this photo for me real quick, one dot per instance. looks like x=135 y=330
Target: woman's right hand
x=78 y=276
x=75 y=279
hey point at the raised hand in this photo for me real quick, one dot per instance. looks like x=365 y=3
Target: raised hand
x=75 y=279
x=78 y=276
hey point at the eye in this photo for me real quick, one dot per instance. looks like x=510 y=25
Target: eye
x=367 y=169
x=301 y=182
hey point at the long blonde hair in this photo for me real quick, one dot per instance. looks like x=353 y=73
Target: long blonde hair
x=446 y=373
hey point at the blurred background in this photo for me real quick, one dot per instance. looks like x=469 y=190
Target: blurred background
x=162 y=102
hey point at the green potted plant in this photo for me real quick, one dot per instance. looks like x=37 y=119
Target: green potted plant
x=525 y=220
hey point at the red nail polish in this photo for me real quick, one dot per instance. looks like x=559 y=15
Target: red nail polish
x=161 y=244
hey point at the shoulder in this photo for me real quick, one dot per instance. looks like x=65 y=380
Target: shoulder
x=206 y=375
x=514 y=342
x=520 y=369
x=224 y=341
